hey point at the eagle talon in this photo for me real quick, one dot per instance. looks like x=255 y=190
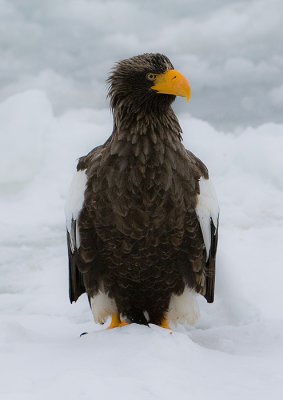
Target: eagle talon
x=165 y=324
x=123 y=323
x=116 y=322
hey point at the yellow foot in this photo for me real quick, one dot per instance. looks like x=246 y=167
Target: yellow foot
x=116 y=322
x=165 y=324
x=123 y=323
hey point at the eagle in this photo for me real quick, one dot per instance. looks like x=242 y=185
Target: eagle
x=142 y=214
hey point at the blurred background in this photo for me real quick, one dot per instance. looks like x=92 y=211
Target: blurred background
x=231 y=51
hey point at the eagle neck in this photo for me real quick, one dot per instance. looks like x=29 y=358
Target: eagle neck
x=133 y=127
x=146 y=141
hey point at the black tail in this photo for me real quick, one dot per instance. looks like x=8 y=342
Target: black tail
x=137 y=317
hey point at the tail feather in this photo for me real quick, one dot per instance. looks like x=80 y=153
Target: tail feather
x=137 y=317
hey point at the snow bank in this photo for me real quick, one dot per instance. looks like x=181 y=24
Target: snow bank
x=236 y=349
x=24 y=121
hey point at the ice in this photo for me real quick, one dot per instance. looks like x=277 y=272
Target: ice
x=235 y=350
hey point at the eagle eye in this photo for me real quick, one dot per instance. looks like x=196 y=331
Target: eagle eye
x=151 y=76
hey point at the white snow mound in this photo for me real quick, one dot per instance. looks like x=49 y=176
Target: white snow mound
x=24 y=121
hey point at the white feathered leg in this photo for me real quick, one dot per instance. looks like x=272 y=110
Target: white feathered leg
x=102 y=306
x=183 y=308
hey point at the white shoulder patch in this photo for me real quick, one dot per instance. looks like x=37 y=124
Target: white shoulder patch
x=75 y=200
x=207 y=209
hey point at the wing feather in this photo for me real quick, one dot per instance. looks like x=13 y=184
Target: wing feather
x=207 y=211
x=80 y=269
x=73 y=209
x=76 y=284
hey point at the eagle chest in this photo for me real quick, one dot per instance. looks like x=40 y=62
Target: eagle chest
x=142 y=208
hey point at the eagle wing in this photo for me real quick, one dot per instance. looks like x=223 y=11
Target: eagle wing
x=79 y=271
x=207 y=211
x=73 y=209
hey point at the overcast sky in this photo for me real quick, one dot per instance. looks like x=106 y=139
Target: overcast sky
x=231 y=51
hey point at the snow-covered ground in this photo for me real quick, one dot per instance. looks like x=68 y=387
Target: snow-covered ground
x=236 y=349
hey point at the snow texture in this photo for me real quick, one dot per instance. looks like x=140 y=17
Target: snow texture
x=55 y=57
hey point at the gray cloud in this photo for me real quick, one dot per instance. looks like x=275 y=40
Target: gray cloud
x=230 y=50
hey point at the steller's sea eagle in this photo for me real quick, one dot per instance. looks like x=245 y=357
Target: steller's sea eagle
x=142 y=214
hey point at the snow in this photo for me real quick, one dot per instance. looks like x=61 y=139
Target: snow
x=236 y=348
x=16 y=122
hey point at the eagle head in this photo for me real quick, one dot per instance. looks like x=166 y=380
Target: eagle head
x=147 y=82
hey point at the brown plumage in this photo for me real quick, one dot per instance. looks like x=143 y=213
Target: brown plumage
x=140 y=239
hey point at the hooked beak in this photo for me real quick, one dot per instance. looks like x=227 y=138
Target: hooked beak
x=172 y=82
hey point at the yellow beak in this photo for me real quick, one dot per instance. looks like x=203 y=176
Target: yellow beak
x=172 y=82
